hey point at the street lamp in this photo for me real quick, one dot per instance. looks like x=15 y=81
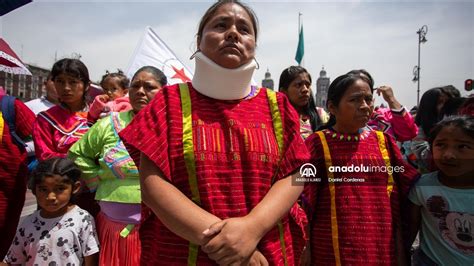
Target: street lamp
x=415 y=74
x=421 y=39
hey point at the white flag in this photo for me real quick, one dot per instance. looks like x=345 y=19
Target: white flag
x=153 y=51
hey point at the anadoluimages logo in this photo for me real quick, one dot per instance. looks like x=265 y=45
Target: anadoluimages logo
x=308 y=170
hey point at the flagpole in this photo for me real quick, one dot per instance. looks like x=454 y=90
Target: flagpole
x=299 y=21
x=299 y=29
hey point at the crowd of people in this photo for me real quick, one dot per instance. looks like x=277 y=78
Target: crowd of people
x=210 y=171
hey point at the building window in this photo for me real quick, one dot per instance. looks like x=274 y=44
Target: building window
x=22 y=86
x=8 y=81
x=34 y=89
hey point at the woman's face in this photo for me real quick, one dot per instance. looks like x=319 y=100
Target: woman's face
x=228 y=38
x=299 y=91
x=355 y=108
x=70 y=89
x=142 y=90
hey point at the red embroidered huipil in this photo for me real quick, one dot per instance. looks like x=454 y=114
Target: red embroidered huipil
x=236 y=157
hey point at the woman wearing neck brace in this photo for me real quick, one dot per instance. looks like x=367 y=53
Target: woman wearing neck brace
x=217 y=157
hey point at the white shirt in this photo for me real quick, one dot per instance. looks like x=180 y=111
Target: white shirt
x=39 y=105
x=56 y=241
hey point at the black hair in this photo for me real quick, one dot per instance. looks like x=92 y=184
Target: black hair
x=338 y=87
x=452 y=106
x=54 y=166
x=366 y=73
x=451 y=91
x=123 y=80
x=427 y=115
x=72 y=67
x=463 y=122
x=287 y=76
x=158 y=74
x=212 y=10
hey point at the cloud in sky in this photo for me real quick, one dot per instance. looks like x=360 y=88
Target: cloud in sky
x=378 y=36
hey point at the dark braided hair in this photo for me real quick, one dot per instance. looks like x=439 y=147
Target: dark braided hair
x=124 y=81
x=54 y=166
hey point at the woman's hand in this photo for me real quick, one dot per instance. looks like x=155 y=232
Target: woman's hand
x=388 y=96
x=257 y=259
x=234 y=241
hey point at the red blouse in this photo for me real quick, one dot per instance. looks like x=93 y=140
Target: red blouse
x=236 y=155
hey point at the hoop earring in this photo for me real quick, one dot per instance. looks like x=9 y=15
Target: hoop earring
x=258 y=65
x=194 y=54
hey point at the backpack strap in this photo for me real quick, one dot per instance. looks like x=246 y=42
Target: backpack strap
x=2 y=123
x=8 y=112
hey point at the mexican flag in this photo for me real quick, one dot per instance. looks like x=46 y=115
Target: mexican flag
x=300 y=48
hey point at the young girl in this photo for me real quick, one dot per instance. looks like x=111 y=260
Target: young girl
x=295 y=83
x=354 y=205
x=108 y=169
x=441 y=202
x=57 y=128
x=60 y=232
x=428 y=114
x=115 y=99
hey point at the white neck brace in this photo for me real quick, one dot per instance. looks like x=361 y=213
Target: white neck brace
x=222 y=83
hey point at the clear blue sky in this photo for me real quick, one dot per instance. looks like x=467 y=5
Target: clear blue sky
x=379 y=36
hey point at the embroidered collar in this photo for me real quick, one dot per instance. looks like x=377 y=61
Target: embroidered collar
x=363 y=133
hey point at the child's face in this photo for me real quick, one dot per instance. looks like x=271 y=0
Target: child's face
x=113 y=88
x=53 y=195
x=453 y=152
x=70 y=89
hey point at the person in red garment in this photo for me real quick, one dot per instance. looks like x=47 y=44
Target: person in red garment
x=355 y=206
x=217 y=156
x=13 y=172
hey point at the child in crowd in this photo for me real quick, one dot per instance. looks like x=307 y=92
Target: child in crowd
x=60 y=232
x=428 y=114
x=56 y=129
x=295 y=83
x=441 y=202
x=115 y=99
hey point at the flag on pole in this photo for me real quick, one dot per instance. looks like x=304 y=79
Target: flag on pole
x=153 y=51
x=300 y=48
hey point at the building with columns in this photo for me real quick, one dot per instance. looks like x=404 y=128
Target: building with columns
x=322 y=86
x=268 y=81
